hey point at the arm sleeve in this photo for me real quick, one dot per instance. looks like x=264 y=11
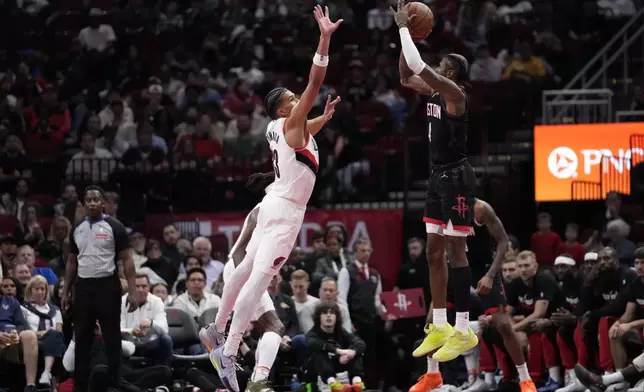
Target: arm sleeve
x=121 y=239
x=73 y=247
x=412 y=55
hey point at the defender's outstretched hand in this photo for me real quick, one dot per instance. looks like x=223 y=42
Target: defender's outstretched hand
x=326 y=26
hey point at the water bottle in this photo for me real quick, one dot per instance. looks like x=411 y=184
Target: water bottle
x=295 y=383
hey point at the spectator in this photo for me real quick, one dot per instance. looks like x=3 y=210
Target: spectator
x=14 y=202
x=109 y=142
x=285 y=308
x=234 y=102
x=68 y=195
x=8 y=250
x=413 y=274
x=97 y=36
x=22 y=273
x=196 y=300
x=138 y=242
x=145 y=156
x=379 y=18
x=205 y=146
x=171 y=237
x=545 y=243
x=617 y=232
x=159 y=264
x=116 y=113
x=526 y=67
x=47 y=321
x=28 y=229
x=14 y=162
x=149 y=317
x=27 y=256
x=486 y=68
x=245 y=147
x=258 y=123
x=161 y=290
x=203 y=250
x=49 y=121
x=10 y=287
x=357 y=85
x=300 y=286
x=91 y=164
x=571 y=245
x=333 y=349
x=333 y=261
x=26 y=342
x=328 y=293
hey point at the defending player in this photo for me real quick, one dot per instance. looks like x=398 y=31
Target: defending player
x=449 y=203
x=281 y=213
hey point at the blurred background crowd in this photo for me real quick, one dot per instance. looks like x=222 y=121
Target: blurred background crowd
x=160 y=103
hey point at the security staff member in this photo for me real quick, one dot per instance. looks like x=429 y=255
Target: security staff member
x=96 y=244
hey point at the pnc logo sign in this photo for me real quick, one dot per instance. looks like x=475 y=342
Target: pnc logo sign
x=563 y=161
x=584 y=152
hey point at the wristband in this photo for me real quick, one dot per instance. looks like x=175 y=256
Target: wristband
x=321 y=60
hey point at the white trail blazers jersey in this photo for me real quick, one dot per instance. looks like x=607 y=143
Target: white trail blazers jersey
x=295 y=169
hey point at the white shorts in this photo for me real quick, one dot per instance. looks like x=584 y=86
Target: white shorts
x=265 y=303
x=278 y=225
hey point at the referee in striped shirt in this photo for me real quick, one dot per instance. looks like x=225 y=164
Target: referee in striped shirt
x=96 y=245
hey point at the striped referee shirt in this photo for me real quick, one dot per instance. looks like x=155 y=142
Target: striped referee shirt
x=97 y=246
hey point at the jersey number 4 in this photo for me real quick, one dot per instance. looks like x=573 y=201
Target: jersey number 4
x=276 y=167
x=429 y=133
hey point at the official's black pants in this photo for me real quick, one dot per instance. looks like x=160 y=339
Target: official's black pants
x=97 y=299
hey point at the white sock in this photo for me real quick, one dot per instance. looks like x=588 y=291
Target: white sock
x=439 y=317
x=523 y=372
x=472 y=363
x=246 y=305
x=613 y=378
x=555 y=373
x=330 y=380
x=432 y=366
x=356 y=380
x=267 y=349
x=462 y=322
x=489 y=378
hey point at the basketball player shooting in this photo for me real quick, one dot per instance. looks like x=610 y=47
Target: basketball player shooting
x=450 y=194
x=281 y=212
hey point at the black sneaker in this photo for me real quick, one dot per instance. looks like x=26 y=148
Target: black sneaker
x=589 y=379
x=31 y=388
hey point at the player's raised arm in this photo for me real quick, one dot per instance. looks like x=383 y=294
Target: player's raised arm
x=441 y=84
x=318 y=69
x=409 y=80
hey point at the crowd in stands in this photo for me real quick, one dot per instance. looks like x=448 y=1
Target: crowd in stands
x=161 y=103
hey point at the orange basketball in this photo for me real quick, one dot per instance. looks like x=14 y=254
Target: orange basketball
x=422 y=24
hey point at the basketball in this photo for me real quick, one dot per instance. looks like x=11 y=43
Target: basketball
x=422 y=24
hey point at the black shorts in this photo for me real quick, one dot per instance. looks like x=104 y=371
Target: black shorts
x=494 y=301
x=449 y=202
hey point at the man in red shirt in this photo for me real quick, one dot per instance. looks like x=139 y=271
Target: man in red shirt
x=545 y=243
x=571 y=245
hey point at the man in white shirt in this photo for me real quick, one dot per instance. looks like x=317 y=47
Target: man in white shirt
x=148 y=323
x=328 y=292
x=202 y=248
x=97 y=36
x=91 y=164
x=196 y=300
x=486 y=68
x=300 y=286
